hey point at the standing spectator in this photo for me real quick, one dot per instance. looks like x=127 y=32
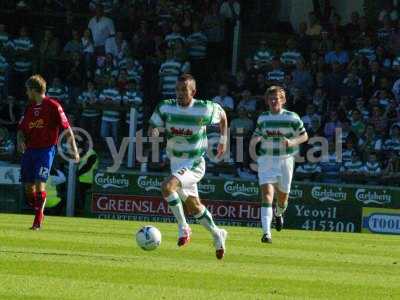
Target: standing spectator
x=133 y=98
x=49 y=52
x=75 y=77
x=372 y=166
x=88 y=52
x=368 y=50
x=309 y=116
x=230 y=12
x=101 y=27
x=169 y=72
x=58 y=91
x=388 y=12
x=214 y=30
x=197 y=50
x=105 y=71
x=110 y=100
x=5 y=40
x=89 y=116
x=23 y=54
x=224 y=99
x=393 y=142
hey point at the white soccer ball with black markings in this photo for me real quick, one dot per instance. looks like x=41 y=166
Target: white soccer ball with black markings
x=148 y=237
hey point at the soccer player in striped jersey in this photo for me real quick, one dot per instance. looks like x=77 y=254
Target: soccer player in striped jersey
x=185 y=120
x=280 y=132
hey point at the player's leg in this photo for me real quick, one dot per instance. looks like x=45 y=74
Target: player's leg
x=204 y=217
x=169 y=190
x=267 y=197
x=30 y=190
x=283 y=190
x=40 y=202
x=43 y=161
x=28 y=178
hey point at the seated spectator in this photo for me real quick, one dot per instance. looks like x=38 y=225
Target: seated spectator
x=314 y=28
x=301 y=77
x=360 y=105
x=245 y=172
x=392 y=171
x=7 y=146
x=385 y=33
x=248 y=103
x=331 y=125
x=135 y=70
x=308 y=170
x=353 y=167
x=4 y=76
x=352 y=85
x=276 y=75
x=9 y=113
x=87 y=101
x=59 y=91
x=338 y=55
x=310 y=114
x=260 y=85
x=393 y=142
x=262 y=58
x=174 y=36
x=378 y=119
x=324 y=44
x=383 y=58
x=349 y=148
x=73 y=45
x=369 y=141
x=388 y=12
x=372 y=167
x=367 y=50
x=319 y=99
x=106 y=70
x=116 y=45
x=224 y=99
x=330 y=165
x=5 y=41
x=357 y=123
x=187 y=23
x=110 y=100
x=291 y=55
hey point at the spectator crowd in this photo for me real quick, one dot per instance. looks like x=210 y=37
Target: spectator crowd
x=108 y=56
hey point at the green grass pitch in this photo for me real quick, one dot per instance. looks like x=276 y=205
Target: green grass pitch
x=76 y=258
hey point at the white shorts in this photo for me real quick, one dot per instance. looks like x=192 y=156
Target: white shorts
x=277 y=171
x=189 y=173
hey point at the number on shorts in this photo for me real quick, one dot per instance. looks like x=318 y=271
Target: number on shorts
x=43 y=172
x=182 y=171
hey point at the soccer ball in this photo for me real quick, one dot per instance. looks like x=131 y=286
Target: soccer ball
x=148 y=238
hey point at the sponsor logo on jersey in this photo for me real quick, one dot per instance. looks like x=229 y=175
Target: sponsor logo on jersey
x=36 y=124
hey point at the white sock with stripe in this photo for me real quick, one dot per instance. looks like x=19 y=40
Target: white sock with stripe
x=266 y=218
x=205 y=218
x=281 y=210
x=175 y=204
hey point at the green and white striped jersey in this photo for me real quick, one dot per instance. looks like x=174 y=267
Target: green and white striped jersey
x=272 y=128
x=186 y=126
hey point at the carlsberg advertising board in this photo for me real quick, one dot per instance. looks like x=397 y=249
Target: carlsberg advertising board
x=239 y=190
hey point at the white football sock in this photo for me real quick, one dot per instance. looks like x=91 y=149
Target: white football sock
x=205 y=218
x=266 y=218
x=175 y=204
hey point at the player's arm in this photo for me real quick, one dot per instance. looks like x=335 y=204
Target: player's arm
x=21 y=142
x=302 y=138
x=156 y=122
x=71 y=140
x=223 y=129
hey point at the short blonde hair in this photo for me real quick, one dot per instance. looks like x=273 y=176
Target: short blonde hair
x=275 y=89
x=36 y=83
